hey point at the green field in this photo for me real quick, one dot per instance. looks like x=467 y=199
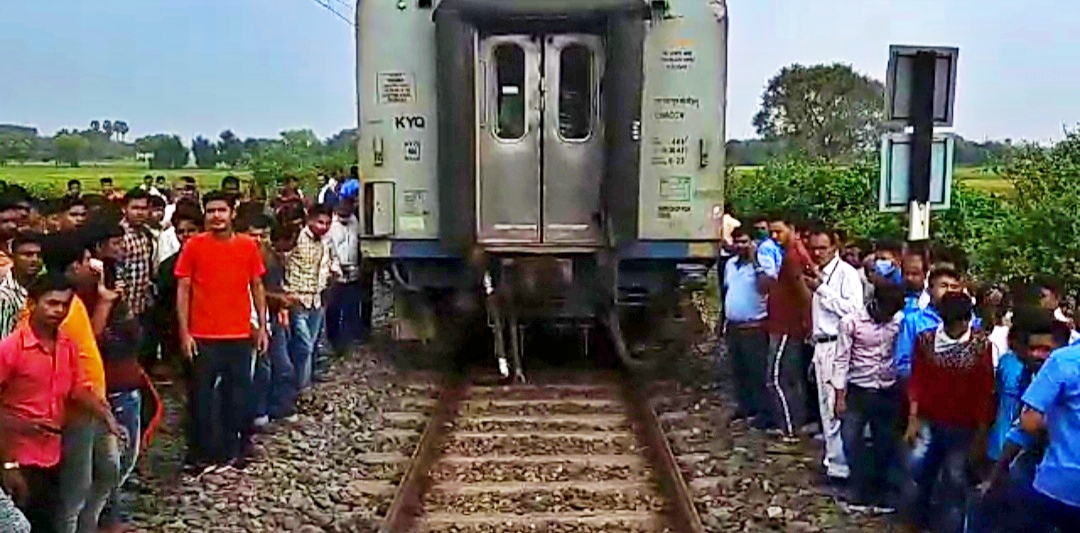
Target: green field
x=125 y=174
x=128 y=174
x=983 y=178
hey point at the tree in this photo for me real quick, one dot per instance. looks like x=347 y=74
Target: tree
x=168 y=151
x=15 y=147
x=107 y=128
x=827 y=111
x=71 y=148
x=229 y=149
x=95 y=125
x=121 y=128
x=206 y=155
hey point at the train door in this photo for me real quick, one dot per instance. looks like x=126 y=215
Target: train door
x=541 y=139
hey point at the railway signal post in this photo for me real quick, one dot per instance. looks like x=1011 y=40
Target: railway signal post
x=916 y=166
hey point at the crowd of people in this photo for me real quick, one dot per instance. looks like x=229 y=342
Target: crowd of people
x=952 y=403
x=104 y=297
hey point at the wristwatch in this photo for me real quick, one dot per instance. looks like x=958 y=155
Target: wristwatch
x=11 y=466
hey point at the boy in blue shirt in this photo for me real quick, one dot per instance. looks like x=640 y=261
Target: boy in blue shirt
x=1052 y=407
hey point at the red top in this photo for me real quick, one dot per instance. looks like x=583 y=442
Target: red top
x=953 y=384
x=789 y=309
x=221 y=271
x=35 y=386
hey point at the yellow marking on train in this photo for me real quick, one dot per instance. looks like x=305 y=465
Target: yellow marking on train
x=375 y=249
x=702 y=249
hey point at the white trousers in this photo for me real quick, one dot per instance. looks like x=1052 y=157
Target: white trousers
x=824 y=369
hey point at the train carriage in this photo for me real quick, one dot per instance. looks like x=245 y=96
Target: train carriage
x=588 y=133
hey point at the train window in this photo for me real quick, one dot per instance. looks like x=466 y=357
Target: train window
x=510 y=91
x=575 y=92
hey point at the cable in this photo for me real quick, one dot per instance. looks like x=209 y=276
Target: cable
x=326 y=5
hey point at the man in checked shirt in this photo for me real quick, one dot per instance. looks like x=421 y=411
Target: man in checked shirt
x=309 y=269
x=135 y=271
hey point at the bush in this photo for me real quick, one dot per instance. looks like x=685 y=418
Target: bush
x=1034 y=232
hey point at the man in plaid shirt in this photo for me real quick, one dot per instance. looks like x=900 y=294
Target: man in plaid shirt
x=135 y=271
x=309 y=269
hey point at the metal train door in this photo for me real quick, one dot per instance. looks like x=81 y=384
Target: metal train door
x=541 y=139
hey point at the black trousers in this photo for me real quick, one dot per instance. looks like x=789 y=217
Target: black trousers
x=44 y=490
x=748 y=351
x=220 y=432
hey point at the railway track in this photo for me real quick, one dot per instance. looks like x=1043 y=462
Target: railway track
x=579 y=452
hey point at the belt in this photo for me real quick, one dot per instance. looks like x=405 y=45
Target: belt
x=750 y=324
x=821 y=339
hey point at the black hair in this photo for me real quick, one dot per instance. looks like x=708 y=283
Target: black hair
x=99 y=231
x=954 y=307
x=230 y=180
x=320 y=210
x=281 y=232
x=148 y=177
x=187 y=179
x=161 y=178
x=8 y=203
x=942 y=272
x=817 y=228
x=1031 y=320
x=74 y=182
x=290 y=177
x=889 y=299
x=890 y=245
x=67 y=203
x=1049 y=283
x=106 y=179
x=157 y=201
x=136 y=194
x=737 y=232
x=217 y=196
x=46 y=283
x=190 y=213
x=354 y=172
x=26 y=237
x=61 y=250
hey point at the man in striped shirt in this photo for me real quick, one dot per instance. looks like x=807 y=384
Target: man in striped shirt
x=26 y=258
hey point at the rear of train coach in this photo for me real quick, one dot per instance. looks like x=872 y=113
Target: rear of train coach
x=575 y=128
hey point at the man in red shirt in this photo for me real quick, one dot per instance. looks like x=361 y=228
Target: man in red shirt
x=41 y=382
x=788 y=325
x=952 y=392
x=219 y=279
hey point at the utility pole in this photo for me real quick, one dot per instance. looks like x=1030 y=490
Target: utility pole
x=922 y=119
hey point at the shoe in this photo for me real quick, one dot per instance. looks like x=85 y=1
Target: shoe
x=292 y=419
x=762 y=423
x=860 y=508
x=882 y=509
x=261 y=421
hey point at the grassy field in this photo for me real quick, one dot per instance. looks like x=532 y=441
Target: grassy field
x=983 y=178
x=125 y=174
x=128 y=174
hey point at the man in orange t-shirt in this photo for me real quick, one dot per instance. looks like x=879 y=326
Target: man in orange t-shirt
x=219 y=277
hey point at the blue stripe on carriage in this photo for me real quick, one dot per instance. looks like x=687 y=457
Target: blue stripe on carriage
x=637 y=250
x=417 y=248
x=656 y=250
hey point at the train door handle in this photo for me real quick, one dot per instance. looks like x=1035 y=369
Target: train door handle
x=377 y=150
x=703 y=153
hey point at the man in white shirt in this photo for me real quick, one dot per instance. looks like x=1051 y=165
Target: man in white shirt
x=326 y=192
x=343 y=324
x=837 y=292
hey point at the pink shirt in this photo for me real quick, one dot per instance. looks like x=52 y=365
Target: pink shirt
x=35 y=386
x=864 y=352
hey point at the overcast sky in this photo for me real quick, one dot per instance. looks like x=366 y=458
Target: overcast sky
x=260 y=66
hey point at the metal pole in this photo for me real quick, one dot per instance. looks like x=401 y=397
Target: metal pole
x=922 y=118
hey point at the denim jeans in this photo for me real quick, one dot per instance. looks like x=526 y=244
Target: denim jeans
x=275 y=377
x=877 y=408
x=89 y=471
x=220 y=438
x=306 y=327
x=946 y=456
x=127 y=408
x=343 y=320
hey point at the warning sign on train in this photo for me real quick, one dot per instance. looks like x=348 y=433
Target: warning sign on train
x=396 y=88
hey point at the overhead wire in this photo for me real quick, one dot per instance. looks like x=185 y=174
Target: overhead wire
x=325 y=4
